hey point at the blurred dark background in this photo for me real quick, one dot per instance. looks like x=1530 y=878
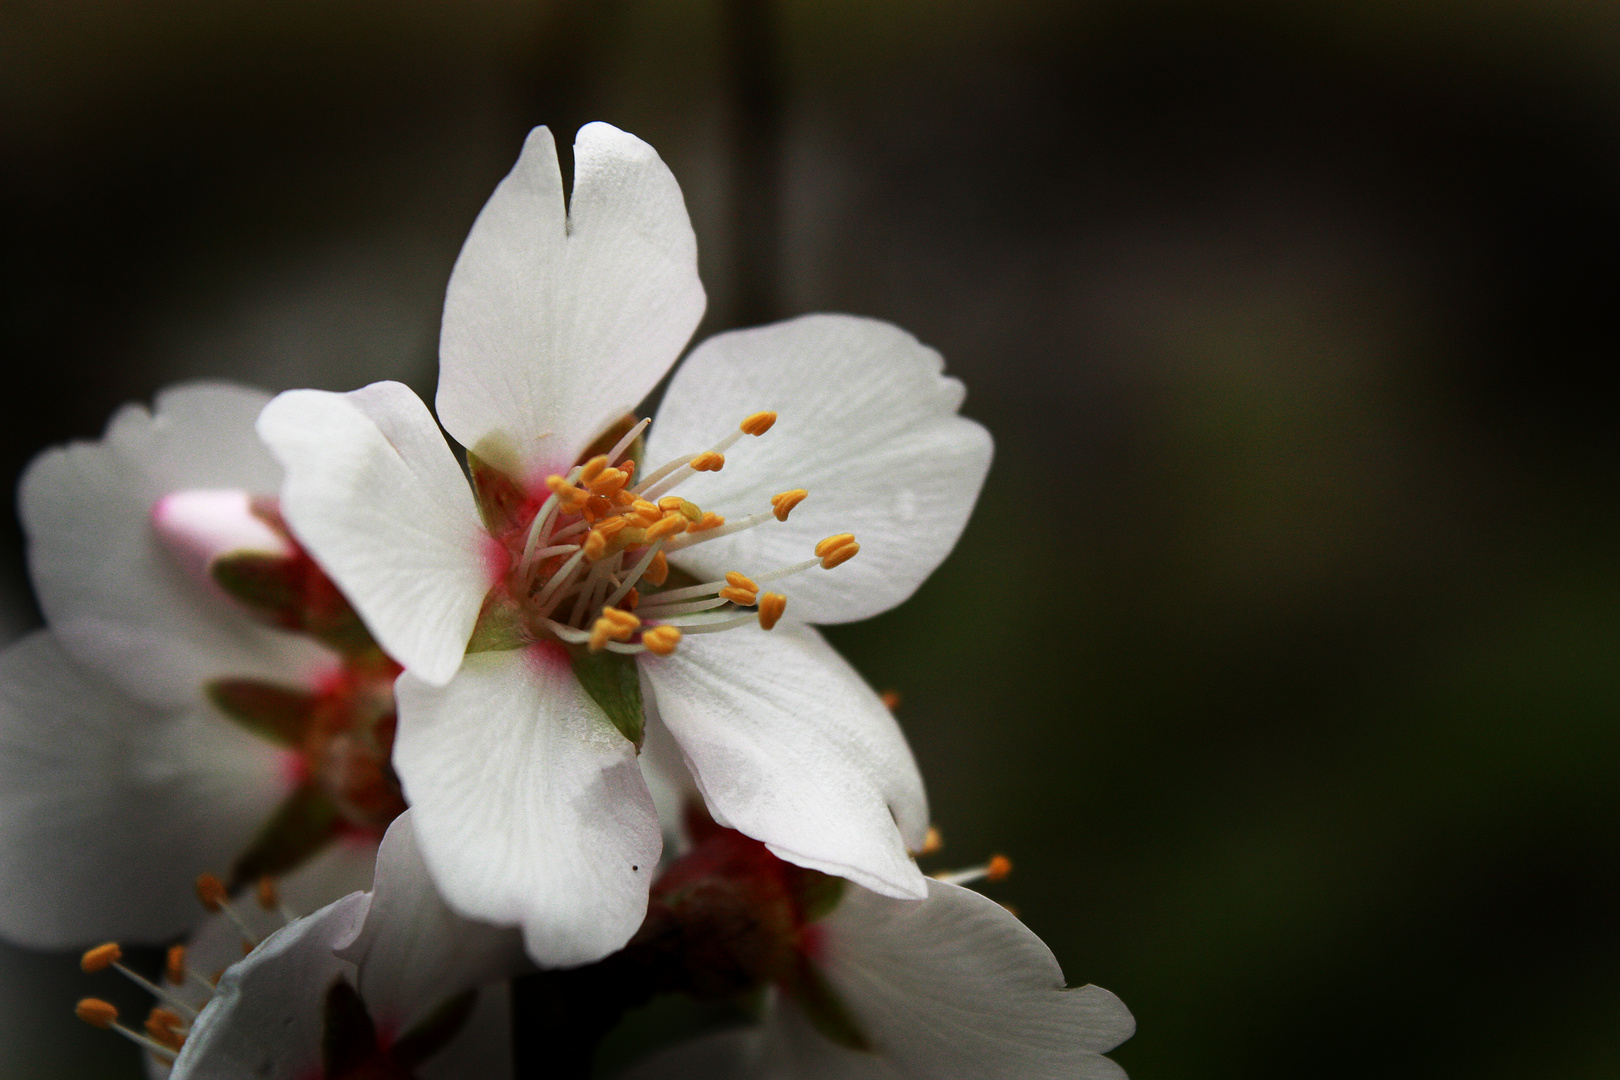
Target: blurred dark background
x=1283 y=653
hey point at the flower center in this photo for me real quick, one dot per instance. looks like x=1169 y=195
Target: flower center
x=590 y=565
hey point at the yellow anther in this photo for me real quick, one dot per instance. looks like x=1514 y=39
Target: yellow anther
x=610 y=482
x=670 y=502
x=668 y=525
x=758 y=424
x=740 y=581
x=741 y=597
x=266 y=893
x=100 y=958
x=649 y=512
x=631 y=537
x=628 y=467
x=593 y=468
x=566 y=492
x=838 y=556
x=708 y=461
x=103 y=1014
x=833 y=542
x=595 y=545
x=1000 y=866
x=658 y=570
x=163 y=1025
x=771 y=606
x=891 y=699
x=612 y=625
x=596 y=508
x=211 y=892
x=661 y=640
x=174 y=965
x=622 y=620
x=690 y=510
x=709 y=520
x=623 y=498
x=609 y=527
x=631 y=600
x=782 y=504
x=933 y=843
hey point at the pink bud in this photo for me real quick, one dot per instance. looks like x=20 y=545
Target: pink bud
x=199 y=526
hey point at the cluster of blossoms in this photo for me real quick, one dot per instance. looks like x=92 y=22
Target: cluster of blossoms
x=551 y=711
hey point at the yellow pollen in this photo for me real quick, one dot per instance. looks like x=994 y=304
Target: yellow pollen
x=690 y=510
x=1000 y=866
x=101 y=958
x=661 y=640
x=657 y=570
x=211 y=892
x=631 y=600
x=266 y=893
x=593 y=468
x=933 y=842
x=609 y=483
x=771 y=606
x=174 y=965
x=710 y=520
x=101 y=1014
x=708 y=461
x=741 y=597
x=668 y=525
x=758 y=424
x=782 y=505
x=839 y=554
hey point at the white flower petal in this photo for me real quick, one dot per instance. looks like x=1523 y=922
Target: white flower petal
x=784 y=1047
x=267 y=1015
x=556 y=323
x=866 y=424
x=116 y=596
x=375 y=494
x=110 y=809
x=956 y=987
x=669 y=781
x=528 y=804
x=413 y=952
x=789 y=746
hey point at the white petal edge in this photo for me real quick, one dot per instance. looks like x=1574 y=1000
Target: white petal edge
x=529 y=806
x=267 y=1015
x=791 y=747
x=412 y=951
x=558 y=321
x=109 y=809
x=956 y=987
x=117 y=598
x=866 y=422
x=375 y=494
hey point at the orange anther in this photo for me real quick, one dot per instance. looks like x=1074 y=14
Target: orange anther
x=628 y=467
x=566 y=492
x=668 y=525
x=670 y=502
x=690 y=510
x=631 y=537
x=771 y=606
x=933 y=842
x=758 y=424
x=840 y=555
x=609 y=482
x=742 y=597
x=661 y=640
x=612 y=625
x=100 y=958
x=782 y=504
x=834 y=542
x=657 y=571
x=593 y=468
x=610 y=526
x=595 y=545
x=709 y=520
x=174 y=965
x=631 y=600
x=623 y=498
x=708 y=461
x=648 y=512
x=211 y=892
x=621 y=619
x=266 y=893
x=739 y=580
x=1000 y=866
x=891 y=699
x=163 y=1025
x=596 y=508
x=103 y=1014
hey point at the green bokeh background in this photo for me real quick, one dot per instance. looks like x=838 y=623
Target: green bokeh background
x=1283 y=652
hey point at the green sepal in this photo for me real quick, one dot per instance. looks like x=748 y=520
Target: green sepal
x=501 y=503
x=278 y=713
x=303 y=824
x=348 y=1036
x=434 y=1031
x=613 y=683
x=500 y=626
x=817 y=1000
x=292 y=593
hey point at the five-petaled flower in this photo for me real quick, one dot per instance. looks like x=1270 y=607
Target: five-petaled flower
x=567 y=598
